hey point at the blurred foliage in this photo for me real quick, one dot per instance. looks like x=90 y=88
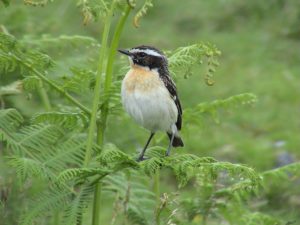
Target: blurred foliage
x=260 y=47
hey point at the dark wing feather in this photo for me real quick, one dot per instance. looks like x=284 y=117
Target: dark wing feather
x=170 y=85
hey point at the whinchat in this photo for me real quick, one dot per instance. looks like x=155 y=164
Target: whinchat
x=149 y=95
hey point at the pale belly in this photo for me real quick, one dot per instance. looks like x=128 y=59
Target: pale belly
x=150 y=107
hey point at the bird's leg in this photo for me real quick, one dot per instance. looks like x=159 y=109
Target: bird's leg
x=170 y=144
x=141 y=156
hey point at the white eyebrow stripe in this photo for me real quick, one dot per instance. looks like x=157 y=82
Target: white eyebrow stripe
x=146 y=51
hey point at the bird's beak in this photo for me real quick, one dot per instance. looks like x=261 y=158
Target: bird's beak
x=125 y=52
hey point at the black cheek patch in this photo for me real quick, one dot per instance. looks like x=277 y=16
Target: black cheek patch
x=152 y=62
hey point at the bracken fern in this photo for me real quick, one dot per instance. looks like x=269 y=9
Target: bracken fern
x=51 y=146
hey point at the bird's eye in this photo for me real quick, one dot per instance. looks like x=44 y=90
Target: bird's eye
x=142 y=54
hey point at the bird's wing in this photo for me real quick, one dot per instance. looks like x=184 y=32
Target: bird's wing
x=170 y=85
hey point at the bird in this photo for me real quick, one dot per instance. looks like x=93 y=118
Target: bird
x=149 y=95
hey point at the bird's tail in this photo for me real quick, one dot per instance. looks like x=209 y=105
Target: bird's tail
x=177 y=141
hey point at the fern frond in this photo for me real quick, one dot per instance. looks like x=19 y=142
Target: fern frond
x=156 y=151
x=186 y=169
x=92 y=9
x=31 y=83
x=30 y=63
x=152 y=165
x=47 y=164
x=211 y=108
x=11 y=53
x=10 y=120
x=7 y=42
x=132 y=188
x=27 y=166
x=54 y=199
x=289 y=171
x=115 y=182
x=78 y=205
x=260 y=218
x=189 y=157
x=186 y=166
x=37 y=60
x=80 y=173
x=241 y=188
x=35 y=137
x=70 y=152
x=80 y=81
x=7 y=64
x=37 y=2
x=183 y=59
x=111 y=156
x=136 y=215
x=142 y=12
x=113 y=98
x=66 y=120
x=62 y=41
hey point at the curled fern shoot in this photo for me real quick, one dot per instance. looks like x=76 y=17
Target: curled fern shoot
x=142 y=12
x=183 y=59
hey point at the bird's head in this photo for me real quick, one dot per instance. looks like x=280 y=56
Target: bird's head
x=146 y=57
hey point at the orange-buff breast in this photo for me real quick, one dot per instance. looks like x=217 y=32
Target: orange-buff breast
x=139 y=79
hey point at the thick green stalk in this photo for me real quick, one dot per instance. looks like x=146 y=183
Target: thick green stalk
x=97 y=90
x=44 y=96
x=156 y=187
x=157 y=193
x=97 y=191
x=108 y=75
x=107 y=84
x=102 y=124
x=56 y=87
x=110 y=62
x=92 y=127
x=56 y=218
x=113 y=48
x=96 y=204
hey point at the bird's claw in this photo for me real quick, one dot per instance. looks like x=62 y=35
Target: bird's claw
x=141 y=158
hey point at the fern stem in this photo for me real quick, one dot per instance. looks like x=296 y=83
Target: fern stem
x=56 y=218
x=113 y=48
x=44 y=96
x=55 y=86
x=109 y=67
x=92 y=127
x=156 y=186
x=97 y=90
x=107 y=84
x=157 y=194
x=96 y=204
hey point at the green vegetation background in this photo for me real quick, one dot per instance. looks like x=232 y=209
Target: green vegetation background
x=260 y=48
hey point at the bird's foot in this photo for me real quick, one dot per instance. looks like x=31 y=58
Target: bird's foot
x=168 y=152
x=141 y=158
